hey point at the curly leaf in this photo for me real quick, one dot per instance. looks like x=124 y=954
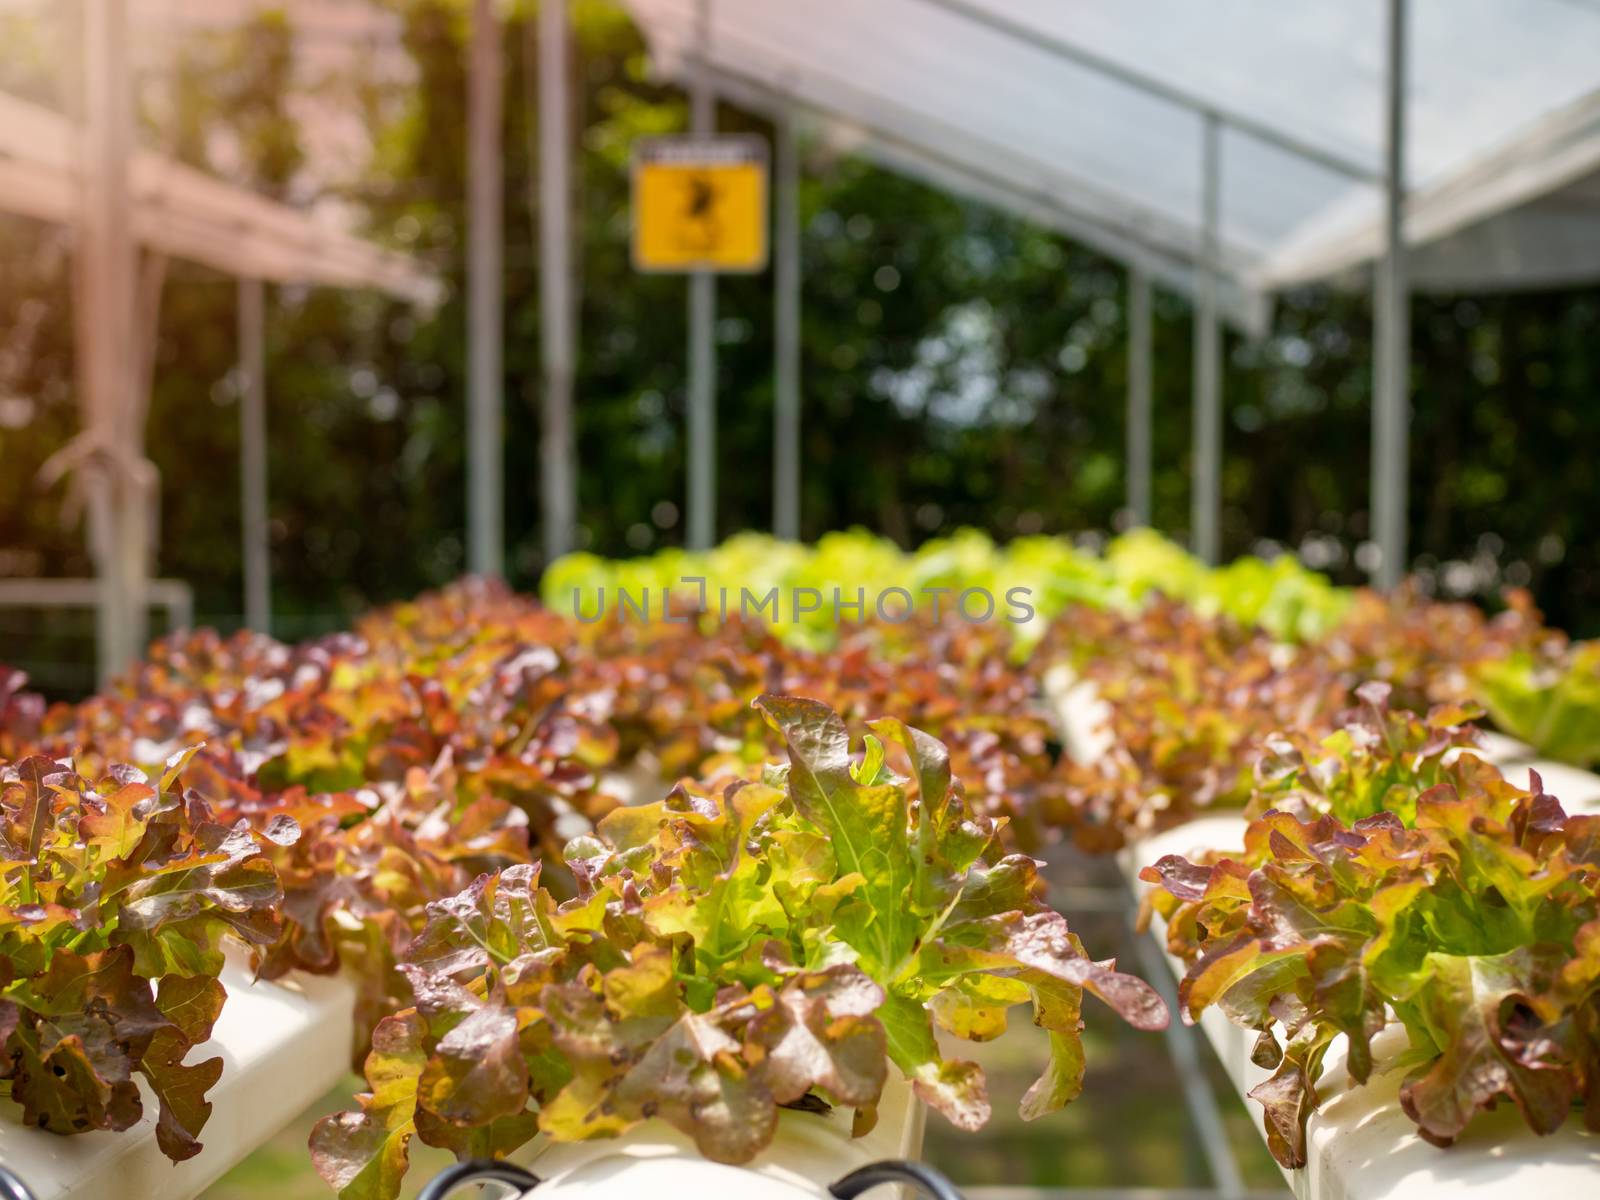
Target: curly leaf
x=363 y=1155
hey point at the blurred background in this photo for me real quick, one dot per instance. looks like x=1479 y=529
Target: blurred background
x=960 y=366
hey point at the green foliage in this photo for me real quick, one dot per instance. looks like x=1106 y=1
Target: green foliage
x=729 y=952
x=775 y=936
x=1554 y=706
x=456 y=735
x=1280 y=596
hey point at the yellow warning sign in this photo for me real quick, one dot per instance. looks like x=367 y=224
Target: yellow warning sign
x=700 y=204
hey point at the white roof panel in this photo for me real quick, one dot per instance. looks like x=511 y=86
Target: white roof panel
x=187 y=214
x=1525 y=214
x=1096 y=109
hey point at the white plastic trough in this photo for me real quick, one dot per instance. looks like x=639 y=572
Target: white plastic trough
x=808 y=1152
x=283 y=1046
x=1360 y=1144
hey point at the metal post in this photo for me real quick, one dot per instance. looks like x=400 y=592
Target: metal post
x=107 y=269
x=1391 y=415
x=555 y=281
x=1139 y=396
x=1183 y=1045
x=786 y=319
x=1205 y=497
x=485 y=297
x=253 y=456
x=702 y=457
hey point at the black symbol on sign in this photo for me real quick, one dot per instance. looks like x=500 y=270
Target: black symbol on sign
x=701 y=231
x=702 y=197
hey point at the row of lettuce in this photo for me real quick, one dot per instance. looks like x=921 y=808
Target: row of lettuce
x=1278 y=595
x=400 y=804
x=423 y=804
x=1537 y=685
x=1392 y=880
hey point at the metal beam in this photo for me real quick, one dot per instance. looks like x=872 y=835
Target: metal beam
x=1160 y=245
x=1153 y=85
x=253 y=456
x=1391 y=407
x=786 y=336
x=702 y=457
x=173 y=596
x=1184 y=1047
x=1138 y=466
x=485 y=297
x=556 y=309
x=1205 y=496
x=107 y=267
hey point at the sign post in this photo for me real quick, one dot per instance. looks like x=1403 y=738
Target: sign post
x=486 y=449
x=700 y=208
x=786 y=337
x=559 y=485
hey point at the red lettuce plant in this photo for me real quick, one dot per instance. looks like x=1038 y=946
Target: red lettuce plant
x=358 y=880
x=21 y=712
x=1474 y=922
x=1429 y=651
x=116 y=895
x=1378 y=759
x=1191 y=700
x=730 y=952
x=472 y=671
x=682 y=694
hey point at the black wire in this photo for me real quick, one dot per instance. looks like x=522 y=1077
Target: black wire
x=892 y=1170
x=476 y=1170
x=12 y=1188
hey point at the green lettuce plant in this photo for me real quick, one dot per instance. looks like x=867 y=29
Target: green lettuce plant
x=1552 y=704
x=1288 y=601
x=1279 y=596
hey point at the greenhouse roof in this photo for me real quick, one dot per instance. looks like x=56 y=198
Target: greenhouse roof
x=1091 y=117
x=187 y=214
x=1523 y=214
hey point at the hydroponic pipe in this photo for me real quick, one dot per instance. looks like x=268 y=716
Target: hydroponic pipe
x=891 y=1170
x=478 y=1170
x=12 y=1188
